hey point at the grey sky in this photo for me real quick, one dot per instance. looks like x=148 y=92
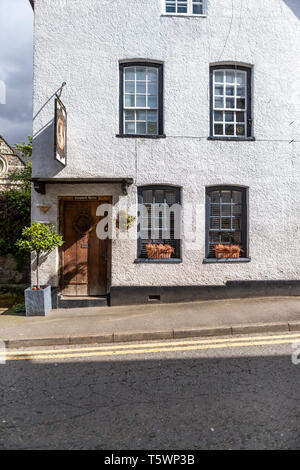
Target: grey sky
x=16 y=44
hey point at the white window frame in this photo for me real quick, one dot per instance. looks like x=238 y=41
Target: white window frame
x=190 y=4
x=135 y=108
x=234 y=110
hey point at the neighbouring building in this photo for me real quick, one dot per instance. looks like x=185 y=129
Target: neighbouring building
x=10 y=162
x=184 y=114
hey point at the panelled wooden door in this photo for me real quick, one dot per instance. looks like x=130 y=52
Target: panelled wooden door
x=85 y=258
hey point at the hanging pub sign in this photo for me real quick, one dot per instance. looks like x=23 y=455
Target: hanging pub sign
x=60 y=132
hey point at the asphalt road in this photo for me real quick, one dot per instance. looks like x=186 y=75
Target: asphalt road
x=241 y=393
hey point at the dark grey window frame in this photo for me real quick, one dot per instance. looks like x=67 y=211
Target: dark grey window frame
x=244 y=223
x=159 y=66
x=177 y=256
x=248 y=70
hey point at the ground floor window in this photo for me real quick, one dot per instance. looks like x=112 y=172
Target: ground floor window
x=226 y=224
x=159 y=222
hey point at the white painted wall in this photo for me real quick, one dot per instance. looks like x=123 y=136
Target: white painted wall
x=81 y=42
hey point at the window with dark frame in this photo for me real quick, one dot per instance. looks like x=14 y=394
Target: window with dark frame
x=226 y=218
x=159 y=220
x=141 y=99
x=230 y=91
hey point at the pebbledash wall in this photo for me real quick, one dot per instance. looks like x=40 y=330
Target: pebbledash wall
x=82 y=42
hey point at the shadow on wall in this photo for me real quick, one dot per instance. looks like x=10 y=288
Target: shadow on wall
x=294 y=6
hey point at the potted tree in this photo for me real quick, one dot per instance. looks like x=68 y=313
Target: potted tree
x=41 y=239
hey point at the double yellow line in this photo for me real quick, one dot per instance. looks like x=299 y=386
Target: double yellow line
x=150 y=348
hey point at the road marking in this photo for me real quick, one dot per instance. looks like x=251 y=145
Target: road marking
x=149 y=350
x=151 y=344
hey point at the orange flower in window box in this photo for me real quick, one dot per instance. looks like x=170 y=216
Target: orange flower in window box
x=159 y=251
x=227 y=251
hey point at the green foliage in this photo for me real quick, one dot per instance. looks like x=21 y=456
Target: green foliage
x=40 y=238
x=25 y=148
x=15 y=207
x=19 y=308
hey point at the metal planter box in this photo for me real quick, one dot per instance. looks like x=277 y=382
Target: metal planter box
x=38 y=302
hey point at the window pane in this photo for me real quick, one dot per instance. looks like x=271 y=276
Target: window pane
x=141 y=73
x=229 y=77
x=129 y=101
x=218 y=129
x=241 y=78
x=147 y=196
x=229 y=129
x=215 y=223
x=219 y=77
x=141 y=128
x=236 y=197
x=129 y=73
x=141 y=87
x=229 y=102
x=225 y=237
x=152 y=89
x=152 y=116
x=215 y=210
x=229 y=116
x=129 y=128
x=152 y=75
x=237 y=238
x=171 y=7
x=152 y=102
x=225 y=223
x=240 y=91
x=240 y=117
x=215 y=197
x=226 y=196
x=141 y=115
x=241 y=103
x=197 y=10
x=219 y=90
x=226 y=210
x=230 y=91
x=218 y=115
x=170 y=197
x=219 y=103
x=159 y=195
x=140 y=101
x=236 y=223
x=240 y=130
x=152 y=128
x=129 y=87
x=129 y=115
x=237 y=210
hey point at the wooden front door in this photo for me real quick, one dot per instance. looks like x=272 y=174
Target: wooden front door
x=85 y=258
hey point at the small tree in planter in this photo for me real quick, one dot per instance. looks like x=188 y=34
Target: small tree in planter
x=41 y=239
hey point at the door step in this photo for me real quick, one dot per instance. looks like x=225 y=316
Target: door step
x=64 y=301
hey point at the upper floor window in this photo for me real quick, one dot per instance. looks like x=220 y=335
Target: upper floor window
x=141 y=100
x=226 y=224
x=184 y=7
x=230 y=101
x=159 y=221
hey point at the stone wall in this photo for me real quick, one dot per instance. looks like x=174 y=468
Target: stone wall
x=11 y=273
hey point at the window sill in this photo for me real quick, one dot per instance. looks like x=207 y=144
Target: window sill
x=161 y=260
x=226 y=260
x=184 y=15
x=233 y=139
x=140 y=136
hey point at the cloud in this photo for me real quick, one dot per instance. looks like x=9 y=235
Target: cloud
x=16 y=39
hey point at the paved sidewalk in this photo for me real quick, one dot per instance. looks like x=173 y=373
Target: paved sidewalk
x=145 y=322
